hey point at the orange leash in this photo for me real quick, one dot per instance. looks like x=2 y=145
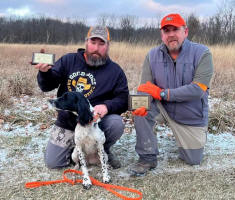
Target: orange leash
x=108 y=187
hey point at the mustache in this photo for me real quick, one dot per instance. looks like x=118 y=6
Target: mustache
x=172 y=39
x=95 y=52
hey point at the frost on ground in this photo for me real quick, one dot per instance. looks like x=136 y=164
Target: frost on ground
x=219 y=152
x=22 y=148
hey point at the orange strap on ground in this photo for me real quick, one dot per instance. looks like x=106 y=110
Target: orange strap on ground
x=108 y=187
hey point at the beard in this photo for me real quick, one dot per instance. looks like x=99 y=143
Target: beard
x=95 y=59
x=173 y=45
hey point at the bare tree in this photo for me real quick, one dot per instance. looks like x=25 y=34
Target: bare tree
x=127 y=27
x=216 y=29
x=193 y=24
x=102 y=20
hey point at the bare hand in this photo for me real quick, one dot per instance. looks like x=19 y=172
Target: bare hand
x=42 y=67
x=100 y=110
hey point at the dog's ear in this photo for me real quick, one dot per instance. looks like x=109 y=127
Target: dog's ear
x=84 y=113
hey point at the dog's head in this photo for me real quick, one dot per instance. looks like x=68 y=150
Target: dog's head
x=75 y=102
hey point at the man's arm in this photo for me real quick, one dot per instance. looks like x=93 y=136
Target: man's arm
x=49 y=77
x=119 y=103
x=146 y=71
x=200 y=83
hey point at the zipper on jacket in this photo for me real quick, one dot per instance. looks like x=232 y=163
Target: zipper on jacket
x=175 y=82
x=183 y=73
x=165 y=72
x=175 y=79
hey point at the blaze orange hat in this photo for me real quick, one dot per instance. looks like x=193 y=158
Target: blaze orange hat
x=173 y=19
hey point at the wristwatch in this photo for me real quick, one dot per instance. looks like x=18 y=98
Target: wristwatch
x=163 y=94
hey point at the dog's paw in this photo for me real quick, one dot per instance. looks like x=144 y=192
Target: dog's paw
x=86 y=183
x=107 y=179
x=87 y=186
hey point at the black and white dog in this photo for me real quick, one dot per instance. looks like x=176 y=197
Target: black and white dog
x=88 y=136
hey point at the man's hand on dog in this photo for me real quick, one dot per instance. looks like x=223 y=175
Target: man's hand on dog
x=100 y=110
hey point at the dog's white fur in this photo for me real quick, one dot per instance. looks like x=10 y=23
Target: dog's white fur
x=89 y=138
x=86 y=139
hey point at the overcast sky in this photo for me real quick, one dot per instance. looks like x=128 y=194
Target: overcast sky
x=92 y=9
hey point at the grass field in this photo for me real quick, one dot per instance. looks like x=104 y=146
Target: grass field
x=25 y=123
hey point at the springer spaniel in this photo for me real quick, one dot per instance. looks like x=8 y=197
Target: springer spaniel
x=88 y=136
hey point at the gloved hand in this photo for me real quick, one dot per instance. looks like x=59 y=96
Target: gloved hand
x=140 y=112
x=151 y=89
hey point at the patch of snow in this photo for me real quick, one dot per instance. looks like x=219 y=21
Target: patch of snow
x=7 y=112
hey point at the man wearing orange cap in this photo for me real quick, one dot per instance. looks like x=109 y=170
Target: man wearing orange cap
x=177 y=75
x=91 y=72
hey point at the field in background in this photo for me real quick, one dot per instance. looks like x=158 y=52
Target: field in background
x=15 y=58
x=19 y=77
x=22 y=109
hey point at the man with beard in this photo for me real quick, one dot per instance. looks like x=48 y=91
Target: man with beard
x=177 y=75
x=91 y=72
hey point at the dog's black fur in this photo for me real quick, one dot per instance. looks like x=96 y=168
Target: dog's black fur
x=88 y=137
x=75 y=102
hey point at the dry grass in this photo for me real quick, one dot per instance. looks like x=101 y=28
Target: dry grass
x=222 y=116
x=223 y=82
x=130 y=58
x=15 y=58
x=18 y=78
x=179 y=186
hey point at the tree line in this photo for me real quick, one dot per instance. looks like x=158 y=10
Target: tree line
x=217 y=29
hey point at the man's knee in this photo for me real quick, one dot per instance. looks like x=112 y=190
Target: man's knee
x=57 y=157
x=191 y=156
x=113 y=128
x=116 y=121
x=116 y=130
x=50 y=163
x=112 y=124
x=117 y=126
x=194 y=161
